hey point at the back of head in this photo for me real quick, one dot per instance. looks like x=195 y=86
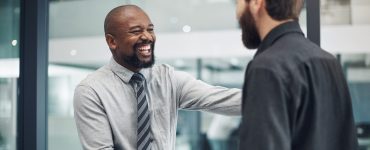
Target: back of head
x=284 y=9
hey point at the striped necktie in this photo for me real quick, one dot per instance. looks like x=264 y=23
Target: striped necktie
x=143 y=120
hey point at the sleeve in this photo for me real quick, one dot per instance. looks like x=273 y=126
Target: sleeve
x=265 y=117
x=92 y=124
x=194 y=94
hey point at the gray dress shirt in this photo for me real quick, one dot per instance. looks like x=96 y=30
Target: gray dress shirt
x=105 y=105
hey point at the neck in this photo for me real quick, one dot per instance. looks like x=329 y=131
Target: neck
x=267 y=24
x=129 y=67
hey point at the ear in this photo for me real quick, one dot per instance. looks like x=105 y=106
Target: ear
x=111 y=41
x=256 y=7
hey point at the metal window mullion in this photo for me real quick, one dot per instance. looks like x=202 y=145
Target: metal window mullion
x=32 y=103
x=313 y=20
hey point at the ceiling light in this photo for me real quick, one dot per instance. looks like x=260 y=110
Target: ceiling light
x=73 y=52
x=186 y=28
x=14 y=42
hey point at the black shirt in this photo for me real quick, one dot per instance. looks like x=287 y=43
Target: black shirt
x=295 y=97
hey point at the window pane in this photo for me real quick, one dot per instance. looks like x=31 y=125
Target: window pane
x=345 y=26
x=357 y=71
x=9 y=72
x=196 y=36
x=70 y=24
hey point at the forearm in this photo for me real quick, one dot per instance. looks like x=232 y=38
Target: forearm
x=213 y=99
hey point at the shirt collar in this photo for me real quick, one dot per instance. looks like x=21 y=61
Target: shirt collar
x=124 y=73
x=277 y=32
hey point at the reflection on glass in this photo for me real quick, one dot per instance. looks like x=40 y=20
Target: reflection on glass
x=62 y=129
x=357 y=70
x=8 y=103
x=9 y=72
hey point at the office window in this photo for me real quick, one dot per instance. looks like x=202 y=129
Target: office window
x=9 y=72
x=345 y=25
x=357 y=71
x=197 y=36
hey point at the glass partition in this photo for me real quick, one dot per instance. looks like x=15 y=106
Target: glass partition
x=9 y=72
x=62 y=133
x=345 y=25
x=8 y=113
x=197 y=36
x=357 y=71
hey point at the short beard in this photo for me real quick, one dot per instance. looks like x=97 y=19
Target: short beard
x=250 y=37
x=134 y=60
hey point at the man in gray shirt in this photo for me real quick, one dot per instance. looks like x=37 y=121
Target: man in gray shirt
x=131 y=103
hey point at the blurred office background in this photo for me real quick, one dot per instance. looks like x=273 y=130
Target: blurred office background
x=197 y=36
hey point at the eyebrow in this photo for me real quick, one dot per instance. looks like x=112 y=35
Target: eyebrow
x=138 y=26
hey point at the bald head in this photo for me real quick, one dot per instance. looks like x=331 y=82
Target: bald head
x=130 y=36
x=120 y=13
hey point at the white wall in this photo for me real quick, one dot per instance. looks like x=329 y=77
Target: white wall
x=346 y=39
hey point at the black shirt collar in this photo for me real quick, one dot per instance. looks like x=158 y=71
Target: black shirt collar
x=277 y=32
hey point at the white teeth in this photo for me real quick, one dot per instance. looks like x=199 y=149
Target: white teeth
x=145 y=52
x=145 y=47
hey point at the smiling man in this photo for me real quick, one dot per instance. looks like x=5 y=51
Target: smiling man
x=130 y=36
x=131 y=103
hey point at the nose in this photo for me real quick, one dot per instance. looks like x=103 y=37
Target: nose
x=146 y=36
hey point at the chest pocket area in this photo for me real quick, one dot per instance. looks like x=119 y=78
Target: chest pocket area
x=161 y=104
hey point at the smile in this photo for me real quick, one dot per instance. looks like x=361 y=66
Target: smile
x=145 y=50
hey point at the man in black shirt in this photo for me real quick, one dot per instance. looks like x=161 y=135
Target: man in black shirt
x=295 y=96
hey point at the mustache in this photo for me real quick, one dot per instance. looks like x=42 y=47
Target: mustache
x=145 y=41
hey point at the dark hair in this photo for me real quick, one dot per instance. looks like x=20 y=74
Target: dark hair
x=283 y=9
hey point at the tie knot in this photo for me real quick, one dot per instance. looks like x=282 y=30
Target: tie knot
x=137 y=78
